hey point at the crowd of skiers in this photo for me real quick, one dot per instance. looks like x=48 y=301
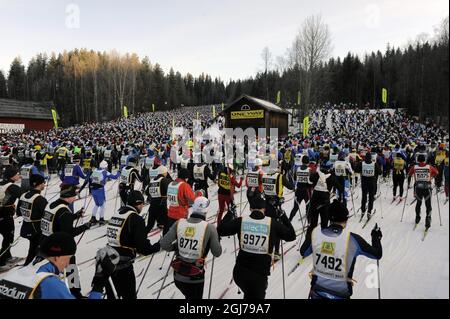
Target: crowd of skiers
x=343 y=150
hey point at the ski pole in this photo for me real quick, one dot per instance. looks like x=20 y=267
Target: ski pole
x=353 y=202
x=282 y=270
x=379 y=281
x=211 y=279
x=145 y=273
x=439 y=207
x=235 y=257
x=165 y=276
x=404 y=204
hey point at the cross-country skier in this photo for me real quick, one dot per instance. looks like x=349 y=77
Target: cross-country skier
x=192 y=239
x=334 y=250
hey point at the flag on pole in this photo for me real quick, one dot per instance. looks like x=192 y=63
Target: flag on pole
x=125 y=112
x=384 y=95
x=55 y=117
x=299 y=98
x=306 y=126
x=153 y=107
x=279 y=97
x=214 y=111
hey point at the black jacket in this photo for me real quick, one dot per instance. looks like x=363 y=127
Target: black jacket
x=134 y=236
x=64 y=219
x=34 y=228
x=258 y=263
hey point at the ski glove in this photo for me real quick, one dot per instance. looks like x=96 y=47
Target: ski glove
x=79 y=213
x=376 y=233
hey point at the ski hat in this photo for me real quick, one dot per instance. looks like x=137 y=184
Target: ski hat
x=183 y=173
x=68 y=191
x=135 y=198
x=10 y=173
x=103 y=165
x=200 y=206
x=58 y=244
x=257 y=202
x=36 y=180
x=338 y=212
x=305 y=159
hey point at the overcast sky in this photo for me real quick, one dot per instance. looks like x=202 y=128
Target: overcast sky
x=223 y=38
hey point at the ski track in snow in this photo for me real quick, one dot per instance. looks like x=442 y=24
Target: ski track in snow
x=409 y=268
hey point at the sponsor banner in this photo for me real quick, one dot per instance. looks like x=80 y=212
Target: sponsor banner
x=243 y=115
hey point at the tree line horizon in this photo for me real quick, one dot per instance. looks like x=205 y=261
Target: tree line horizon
x=91 y=86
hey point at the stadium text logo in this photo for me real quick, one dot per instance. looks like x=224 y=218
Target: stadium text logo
x=227 y=146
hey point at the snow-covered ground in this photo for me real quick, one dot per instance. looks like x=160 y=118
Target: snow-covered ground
x=409 y=268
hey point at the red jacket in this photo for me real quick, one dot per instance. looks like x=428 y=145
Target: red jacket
x=433 y=171
x=186 y=197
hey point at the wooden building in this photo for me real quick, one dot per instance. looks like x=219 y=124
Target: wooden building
x=248 y=111
x=24 y=116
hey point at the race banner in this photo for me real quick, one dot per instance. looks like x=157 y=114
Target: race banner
x=384 y=95
x=306 y=126
x=244 y=115
x=55 y=117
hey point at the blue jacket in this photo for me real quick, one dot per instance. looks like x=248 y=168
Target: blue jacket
x=106 y=175
x=54 y=288
x=75 y=178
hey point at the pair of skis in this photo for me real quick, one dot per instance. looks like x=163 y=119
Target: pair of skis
x=368 y=218
x=425 y=232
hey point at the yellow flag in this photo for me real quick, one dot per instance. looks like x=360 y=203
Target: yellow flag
x=125 y=112
x=214 y=111
x=306 y=126
x=153 y=107
x=299 y=98
x=279 y=97
x=384 y=95
x=55 y=117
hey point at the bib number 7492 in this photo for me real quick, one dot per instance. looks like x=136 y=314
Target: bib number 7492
x=329 y=262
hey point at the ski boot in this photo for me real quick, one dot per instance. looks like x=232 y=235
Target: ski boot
x=417 y=219
x=276 y=256
x=369 y=215
x=93 y=220
x=428 y=222
x=102 y=221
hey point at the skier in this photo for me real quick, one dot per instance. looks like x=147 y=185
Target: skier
x=257 y=236
x=179 y=197
x=157 y=196
x=334 y=250
x=126 y=234
x=201 y=173
x=192 y=239
x=273 y=185
x=9 y=193
x=343 y=172
x=253 y=180
x=42 y=279
x=98 y=181
x=31 y=207
x=227 y=183
x=58 y=217
x=26 y=171
x=398 y=176
x=304 y=185
x=369 y=171
x=128 y=177
x=423 y=174
x=323 y=181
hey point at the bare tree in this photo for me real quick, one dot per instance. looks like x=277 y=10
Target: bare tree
x=311 y=46
x=266 y=55
x=441 y=32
